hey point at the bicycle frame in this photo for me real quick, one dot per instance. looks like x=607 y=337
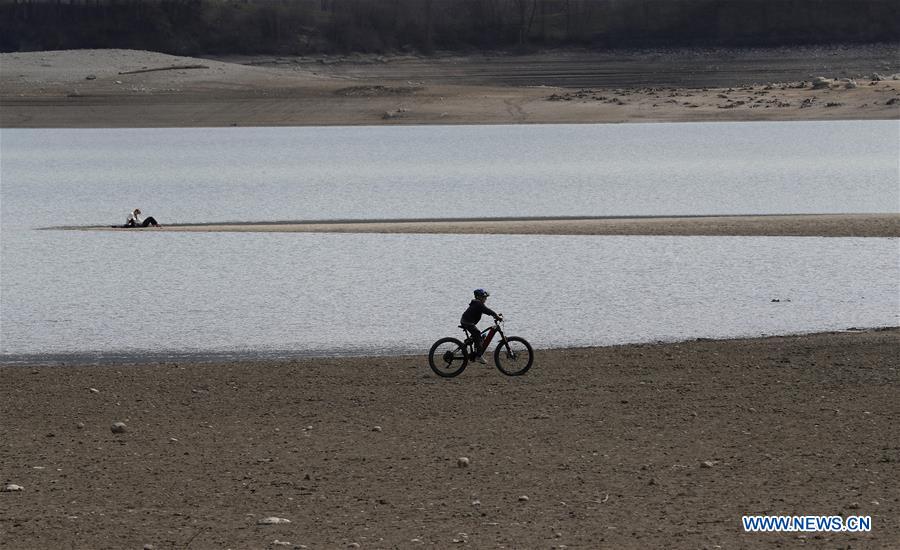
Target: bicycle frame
x=488 y=334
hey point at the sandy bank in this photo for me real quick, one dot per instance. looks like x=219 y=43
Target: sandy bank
x=126 y=88
x=823 y=225
x=640 y=446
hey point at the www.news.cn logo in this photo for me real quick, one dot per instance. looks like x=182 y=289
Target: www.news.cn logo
x=806 y=524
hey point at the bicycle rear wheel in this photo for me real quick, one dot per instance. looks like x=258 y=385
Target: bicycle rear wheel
x=514 y=357
x=448 y=357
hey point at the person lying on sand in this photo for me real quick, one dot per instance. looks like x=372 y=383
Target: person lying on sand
x=134 y=220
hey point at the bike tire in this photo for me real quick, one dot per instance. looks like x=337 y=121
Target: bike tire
x=444 y=365
x=514 y=357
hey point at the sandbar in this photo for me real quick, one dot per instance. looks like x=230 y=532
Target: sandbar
x=819 y=225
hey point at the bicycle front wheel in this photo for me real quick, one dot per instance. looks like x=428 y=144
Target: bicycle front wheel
x=448 y=357
x=514 y=357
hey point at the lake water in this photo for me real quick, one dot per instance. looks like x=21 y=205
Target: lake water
x=59 y=177
x=84 y=296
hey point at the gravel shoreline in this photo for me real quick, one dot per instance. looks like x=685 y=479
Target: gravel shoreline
x=637 y=446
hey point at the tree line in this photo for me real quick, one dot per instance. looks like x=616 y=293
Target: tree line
x=296 y=27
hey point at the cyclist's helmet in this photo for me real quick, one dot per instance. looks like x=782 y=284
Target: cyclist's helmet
x=481 y=293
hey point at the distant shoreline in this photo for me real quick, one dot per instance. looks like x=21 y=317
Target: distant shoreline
x=812 y=225
x=141 y=89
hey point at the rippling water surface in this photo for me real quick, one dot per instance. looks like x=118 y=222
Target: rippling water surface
x=249 y=174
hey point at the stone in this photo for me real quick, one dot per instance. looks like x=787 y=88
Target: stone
x=118 y=428
x=93 y=390
x=376 y=428
x=523 y=498
x=12 y=488
x=272 y=520
x=462 y=462
x=707 y=464
x=820 y=82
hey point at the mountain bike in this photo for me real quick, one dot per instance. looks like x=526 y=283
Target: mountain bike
x=513 y=356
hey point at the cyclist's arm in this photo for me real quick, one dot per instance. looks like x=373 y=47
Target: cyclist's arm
x=489 y=311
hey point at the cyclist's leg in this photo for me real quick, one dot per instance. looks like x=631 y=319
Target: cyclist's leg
x=475 y=335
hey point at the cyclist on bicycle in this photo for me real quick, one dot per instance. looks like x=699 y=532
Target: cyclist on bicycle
x=471 y=317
